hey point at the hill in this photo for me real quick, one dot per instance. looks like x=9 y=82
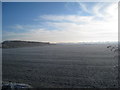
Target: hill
x=16 y=44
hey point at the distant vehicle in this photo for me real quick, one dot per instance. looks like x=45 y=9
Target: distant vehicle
x=15 y=86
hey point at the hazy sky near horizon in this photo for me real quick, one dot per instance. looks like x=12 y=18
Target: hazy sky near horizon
x=60 y=21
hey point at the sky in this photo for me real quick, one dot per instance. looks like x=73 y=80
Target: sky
x=0 y=21
x=60 y=22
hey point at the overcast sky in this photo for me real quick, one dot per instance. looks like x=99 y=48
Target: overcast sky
x=60 y=22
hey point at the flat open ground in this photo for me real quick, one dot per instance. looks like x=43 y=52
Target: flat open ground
x=61 y=66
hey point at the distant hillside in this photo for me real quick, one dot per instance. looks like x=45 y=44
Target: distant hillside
x=16 y=44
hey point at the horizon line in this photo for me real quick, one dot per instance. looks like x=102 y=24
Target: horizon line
x=67 y=42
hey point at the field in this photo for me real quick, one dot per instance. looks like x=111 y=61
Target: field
x=61 y=66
